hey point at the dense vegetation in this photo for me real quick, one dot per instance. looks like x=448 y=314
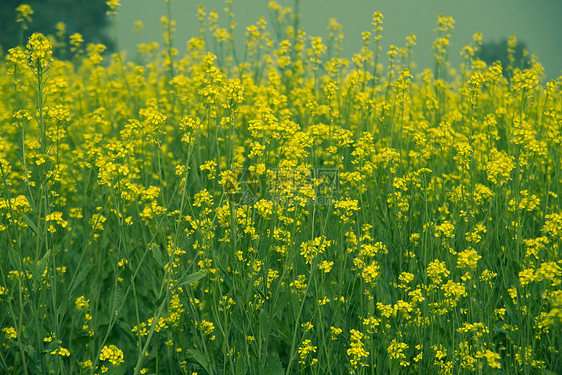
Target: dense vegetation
x=277 y=210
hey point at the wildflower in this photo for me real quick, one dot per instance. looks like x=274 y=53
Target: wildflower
x=499 y=167
x=396 y=351
x=467 y=259
x=436 y=270
x=112 y=354
x=10 y=333
x=39 y=52
x=82 y=303
x=24 y=12
x=76 y=40
x=113 y=6
x=299 y=285
x=326 y=266
x=305 y=350
x=335 y=332
x=492 y=358
x=357 y=351
x=63 y=352
x=207 y=328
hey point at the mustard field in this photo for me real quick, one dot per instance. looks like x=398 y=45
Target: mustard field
x=276 y=208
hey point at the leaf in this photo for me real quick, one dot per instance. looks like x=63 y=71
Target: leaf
x=264 y=323
x=119 y=370
x=280 y=305
x=116 y=300
x=80 y=341
x=274 y=366
x=127 y=331
x=157 y=254
x=30 y=224
x=240 y=367
x=159 y=301
x=199 y=357
x=80 y=277
x=191 y=278
x=32 y=353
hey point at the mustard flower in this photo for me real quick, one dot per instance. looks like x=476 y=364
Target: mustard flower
x=112 y=354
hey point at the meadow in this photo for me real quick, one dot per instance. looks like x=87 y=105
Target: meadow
x=277 y=208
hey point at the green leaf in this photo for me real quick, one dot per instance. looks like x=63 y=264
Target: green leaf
x=199 y=357
x=159 y=301
x=119 y=370
x=191 y=278
x=80 y=277
x=30 y=224
x=81 y=340
x=274 y=366
x=117 y=297
x=157 y=254
x=127 y=331
x=32 y=353
x=264 y=323
x=240 y=367
x=280 y=305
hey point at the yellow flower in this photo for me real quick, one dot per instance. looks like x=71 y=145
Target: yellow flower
x=112 y=354
x=39 y=51
x=357 y=351
x=468 y=259
x=63 y=352
x=24 y=14
x=305 y=349
x=113 y=6
x=436 y=270
x=10 y=333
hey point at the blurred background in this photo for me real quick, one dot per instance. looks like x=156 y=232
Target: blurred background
x=536 y=24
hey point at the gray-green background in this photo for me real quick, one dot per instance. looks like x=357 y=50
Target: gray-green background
x=537 y=23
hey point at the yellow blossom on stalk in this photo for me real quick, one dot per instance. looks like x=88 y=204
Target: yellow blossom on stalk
x=306 y=349
x=396 y=351
x=24 y=13
x=50 y=337
x=76 y=40
x=113 y=6
x=335 y=332
x=492 y=358
x=326 y=266
x=39 y=52
x=138 y=25
x=437 y=270
x=112 y=354
x=405 y=278
x=10 y=333
x=207 y=329
x=298 y=286
x=467 y=259
x=377 y=25
x=63 y=352
x=357 y=351
x=550 y=271
x=311 y=249
x=499 y=167
x=82 y=303
x=345 y=208
x=371 y=273
x=527 y=276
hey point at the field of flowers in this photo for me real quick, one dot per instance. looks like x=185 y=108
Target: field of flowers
x=277 y=209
